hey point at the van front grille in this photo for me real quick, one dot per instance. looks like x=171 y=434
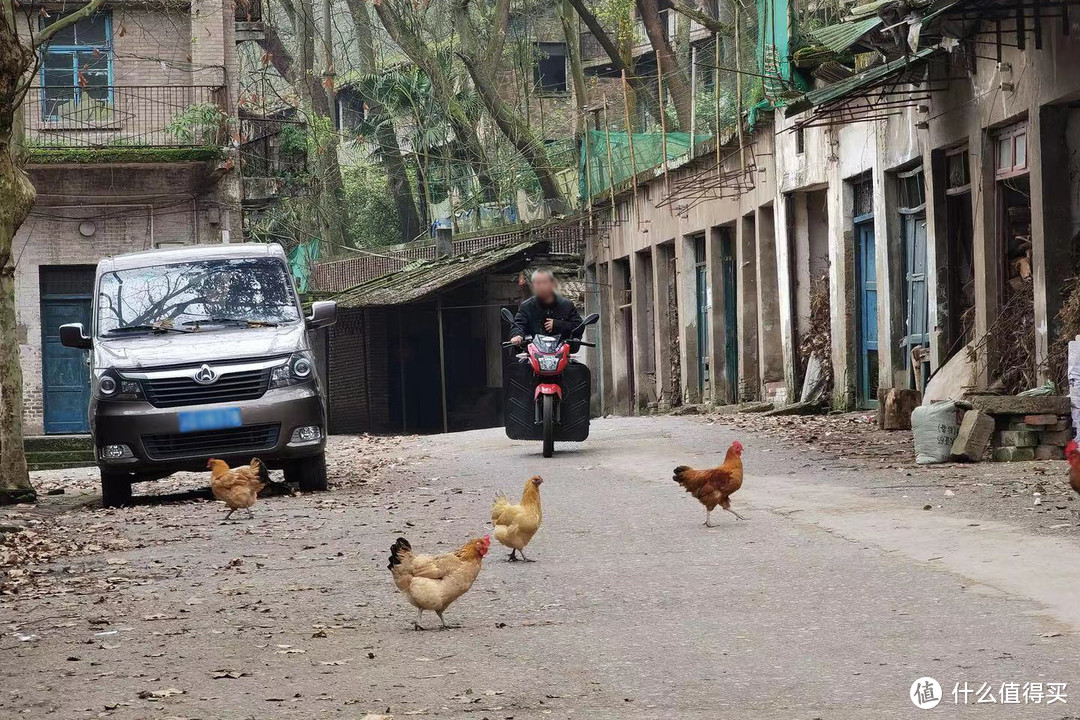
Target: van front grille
x=247 y=439
x=230 y=387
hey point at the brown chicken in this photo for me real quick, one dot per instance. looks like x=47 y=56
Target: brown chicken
x=716 y=486
x=432 y=582
x=1072 y=454
x=515 y=525
x=238 y=487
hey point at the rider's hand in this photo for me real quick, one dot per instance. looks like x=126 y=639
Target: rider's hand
x=549 y=325
x=516 y=340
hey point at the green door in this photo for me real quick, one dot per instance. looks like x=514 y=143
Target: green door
x=701 y=272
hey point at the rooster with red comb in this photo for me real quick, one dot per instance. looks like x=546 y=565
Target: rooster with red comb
x=714 y=486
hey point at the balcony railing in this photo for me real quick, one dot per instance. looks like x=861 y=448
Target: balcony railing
x=165 y=116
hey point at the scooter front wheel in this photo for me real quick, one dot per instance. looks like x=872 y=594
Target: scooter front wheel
x=549 y=425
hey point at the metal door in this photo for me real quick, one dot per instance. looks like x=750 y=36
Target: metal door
x=731 y=319
x=917 y=310
x=65 y=373
x=866 y=326
x=701 y=272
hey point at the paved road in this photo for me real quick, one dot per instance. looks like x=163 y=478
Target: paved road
x=827 y=603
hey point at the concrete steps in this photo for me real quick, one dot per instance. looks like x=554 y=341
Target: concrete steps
x=57 y=452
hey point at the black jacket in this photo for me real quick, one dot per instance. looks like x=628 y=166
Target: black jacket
x=532 y=313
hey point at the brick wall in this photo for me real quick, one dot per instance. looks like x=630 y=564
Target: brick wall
x=156 y=208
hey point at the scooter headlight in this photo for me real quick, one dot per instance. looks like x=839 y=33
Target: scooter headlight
x=549 y=363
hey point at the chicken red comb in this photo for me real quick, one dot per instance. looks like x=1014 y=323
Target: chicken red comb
x=1071 y=447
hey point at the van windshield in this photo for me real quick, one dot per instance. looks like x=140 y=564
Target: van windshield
x=251 y=290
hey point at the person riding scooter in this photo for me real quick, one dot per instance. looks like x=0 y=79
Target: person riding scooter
x=546 y=312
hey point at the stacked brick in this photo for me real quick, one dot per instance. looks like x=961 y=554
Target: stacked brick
x=1026 y=428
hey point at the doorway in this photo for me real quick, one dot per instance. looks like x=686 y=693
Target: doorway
x=912 y=207
x=866 y=311
x=702 y=303
x=731 y=314
x=66 y=292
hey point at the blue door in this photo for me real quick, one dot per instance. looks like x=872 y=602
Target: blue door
x=917 y=306
x=65 y=374
x=866 y=327
x=701 y=275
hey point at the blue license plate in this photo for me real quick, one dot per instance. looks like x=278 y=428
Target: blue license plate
x=202 y=420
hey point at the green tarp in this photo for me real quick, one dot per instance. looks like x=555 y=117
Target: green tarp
x=301 y=260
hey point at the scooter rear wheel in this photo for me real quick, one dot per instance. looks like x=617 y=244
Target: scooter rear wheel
x=549 y=425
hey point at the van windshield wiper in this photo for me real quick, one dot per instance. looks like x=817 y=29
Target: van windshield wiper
x=228 y=320
x=145 y=328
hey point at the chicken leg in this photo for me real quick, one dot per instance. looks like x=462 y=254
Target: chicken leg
x=512 y=557
x=735 y=513
x=708 y=514
x=416 y=623
x=228 y=514
x=523 y=556
x=443 y=621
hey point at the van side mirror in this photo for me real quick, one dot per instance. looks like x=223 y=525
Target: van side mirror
x=323 y=314
x=508 y=316
x=590 y=319
x=72 y=335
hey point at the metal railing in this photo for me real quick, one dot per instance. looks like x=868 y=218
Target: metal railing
x=175 y=116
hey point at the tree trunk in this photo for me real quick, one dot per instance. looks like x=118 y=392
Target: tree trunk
x=675 y=79
x=16 y=197
x=389 y=151
x=577 y=71
x=621 y=62
x=323 y=155
x=481 y=62
x=424 y=56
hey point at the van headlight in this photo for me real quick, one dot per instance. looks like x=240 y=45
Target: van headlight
x=300 y=368
x=111 y=385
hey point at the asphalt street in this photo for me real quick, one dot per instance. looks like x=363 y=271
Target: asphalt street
x=827 y=602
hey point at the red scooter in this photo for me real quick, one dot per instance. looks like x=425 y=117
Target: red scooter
x=552 y=400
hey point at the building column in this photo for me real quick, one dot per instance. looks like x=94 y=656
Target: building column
x=986 y=250
x=667 y=383
x=606 y=337
x=688 y=338
x=770 y=354
x=789 y=208
x=841 y=201
x=641 y=271
x=594 y=357
x=619 y=270
x=747 y=298
x=937 y=254
x=717 y=318
x=889 y=255
x=1051 y=222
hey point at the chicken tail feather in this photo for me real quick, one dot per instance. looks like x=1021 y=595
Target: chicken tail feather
x=401 y=545
x=681 y=473
x=263 y=472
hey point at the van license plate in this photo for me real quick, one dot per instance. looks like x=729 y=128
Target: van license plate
x=216 y=419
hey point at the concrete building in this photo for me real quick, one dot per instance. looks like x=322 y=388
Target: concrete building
x=934 y=192
x=129 y=131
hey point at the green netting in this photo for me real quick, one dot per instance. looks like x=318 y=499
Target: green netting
x=648 y=154
x=301 y=260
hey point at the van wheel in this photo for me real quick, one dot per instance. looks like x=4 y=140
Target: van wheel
x=115 y=489
x=308 y=473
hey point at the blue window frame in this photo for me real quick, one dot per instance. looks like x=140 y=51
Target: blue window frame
x=77 y=70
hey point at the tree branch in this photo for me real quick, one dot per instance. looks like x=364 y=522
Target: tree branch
x=705 y=20
x=67 y=21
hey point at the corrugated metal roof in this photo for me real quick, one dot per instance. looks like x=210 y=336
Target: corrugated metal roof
x=421 y=280
x=841 y=36
x=855 y=84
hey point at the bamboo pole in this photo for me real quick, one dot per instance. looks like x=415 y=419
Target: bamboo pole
x=738 y=94
x=663 y=126
x=693 y=98
x=629 y=137
x=610 y=165
x=716 y=97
